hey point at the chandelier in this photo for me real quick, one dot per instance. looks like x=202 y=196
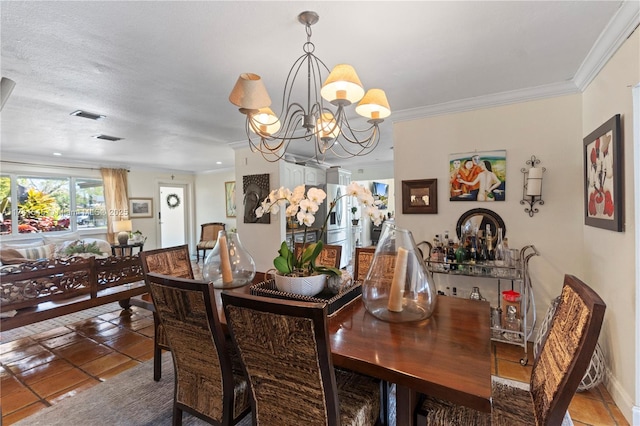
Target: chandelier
x=321 y=118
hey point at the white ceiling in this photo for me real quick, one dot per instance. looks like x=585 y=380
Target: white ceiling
x=162 y=71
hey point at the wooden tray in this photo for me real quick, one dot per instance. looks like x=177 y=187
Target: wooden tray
x=334 y=301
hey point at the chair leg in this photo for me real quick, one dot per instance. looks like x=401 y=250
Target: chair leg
x=384 y=403
x=157 y=362
x=177 y=415
x=157 y=350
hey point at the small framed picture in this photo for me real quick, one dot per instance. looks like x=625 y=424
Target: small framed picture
x=420 y=196
x=230 y=198
x=140 y=207
x=603 y=177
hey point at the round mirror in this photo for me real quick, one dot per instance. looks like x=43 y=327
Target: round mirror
x=477 y=219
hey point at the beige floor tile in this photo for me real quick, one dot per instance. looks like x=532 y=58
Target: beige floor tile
x=82 y=352
x=118 y=369
x=59 y=382
x=10 y=384
x=138 y=350
x=23 y=413
x=513 y=370
x=617 y=415
x=105 y=363
x=55 y=332
x=17 y=400
x=21 y=353
x=15 y=344
x=43 y=371
x=590 y=411
x=72 y=391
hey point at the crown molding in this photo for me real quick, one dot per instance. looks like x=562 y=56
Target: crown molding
x=621 y=26
x=493 y=100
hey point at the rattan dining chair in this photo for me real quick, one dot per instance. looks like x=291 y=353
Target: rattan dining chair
x=285 y=350
x=174 y=261
x=555 y=375
x=329 y=255
x=364 y=258
x=208 y=238
x=209 y=384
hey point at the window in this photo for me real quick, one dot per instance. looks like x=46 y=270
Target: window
x=5 y=205
x=49 y=204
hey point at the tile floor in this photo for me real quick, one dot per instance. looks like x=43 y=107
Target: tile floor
x=44 y=363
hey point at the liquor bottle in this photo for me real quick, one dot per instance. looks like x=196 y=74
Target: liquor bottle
x=489 y=243
x=482 y=250
x=498 y=256
x=451 y=256
x=473 y=251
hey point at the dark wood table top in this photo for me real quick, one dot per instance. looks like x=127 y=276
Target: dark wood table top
x=447 y=356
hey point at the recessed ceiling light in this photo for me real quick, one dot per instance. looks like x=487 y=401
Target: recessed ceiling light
x=218 y=162
x=89 y=115
x=57 y=154
x=107 y=138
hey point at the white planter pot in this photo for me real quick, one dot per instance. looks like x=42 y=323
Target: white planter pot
x=305 y=286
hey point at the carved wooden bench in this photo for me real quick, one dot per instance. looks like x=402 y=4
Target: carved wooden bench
x=45 y=289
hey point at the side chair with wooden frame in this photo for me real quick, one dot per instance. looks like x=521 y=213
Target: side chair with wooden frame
x=329 y=255
x=208 y=382
x=555 y=375
x=284 y=347
x=174 y=261
x=208 y=238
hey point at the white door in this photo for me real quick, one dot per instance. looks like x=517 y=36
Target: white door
x=172 y=215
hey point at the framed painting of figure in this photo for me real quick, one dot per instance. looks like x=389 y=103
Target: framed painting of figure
x=478 y=176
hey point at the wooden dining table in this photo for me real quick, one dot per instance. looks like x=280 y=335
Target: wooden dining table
x=447 y=356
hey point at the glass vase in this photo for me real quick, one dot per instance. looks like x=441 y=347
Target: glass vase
x=229 y=264
x=398 y=287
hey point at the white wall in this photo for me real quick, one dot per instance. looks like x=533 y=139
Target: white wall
x=610 y=256
x=261 y=240
x=210 y=198
x=144 y=184
x=548 y=129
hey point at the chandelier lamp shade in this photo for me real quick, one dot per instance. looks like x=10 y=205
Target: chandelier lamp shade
x=321 y=118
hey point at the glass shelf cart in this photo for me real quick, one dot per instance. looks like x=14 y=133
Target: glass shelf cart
x=517 y=272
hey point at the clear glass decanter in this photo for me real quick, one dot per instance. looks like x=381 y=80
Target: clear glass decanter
x=229 y=265
x=397 y=287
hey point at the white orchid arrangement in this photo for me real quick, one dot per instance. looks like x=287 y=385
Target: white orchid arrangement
x=303 y=208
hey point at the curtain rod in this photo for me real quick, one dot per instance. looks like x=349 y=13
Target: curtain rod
x=50 y=165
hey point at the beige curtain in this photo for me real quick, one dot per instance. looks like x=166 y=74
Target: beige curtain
x=116 y=197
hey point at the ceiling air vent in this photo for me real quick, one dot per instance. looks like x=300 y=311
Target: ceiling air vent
x=107 y=138
x=89 y=115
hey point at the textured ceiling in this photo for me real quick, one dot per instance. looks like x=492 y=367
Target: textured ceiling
x=162 y=71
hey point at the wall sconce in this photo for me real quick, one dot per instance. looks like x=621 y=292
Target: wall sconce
x=532 y=187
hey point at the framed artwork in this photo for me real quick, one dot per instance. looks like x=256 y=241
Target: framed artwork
x=478 y=176
x=255 y=188
x=420 y=196
x=140 y=207
x=230 y=198
x=603 y=177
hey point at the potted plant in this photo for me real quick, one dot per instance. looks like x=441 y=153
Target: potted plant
x=354 y=220
x=303 y=208
x=82 y=249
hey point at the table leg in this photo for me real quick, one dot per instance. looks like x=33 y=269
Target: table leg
x=406 y=400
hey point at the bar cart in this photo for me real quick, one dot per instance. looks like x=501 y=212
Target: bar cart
x=516 y=272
